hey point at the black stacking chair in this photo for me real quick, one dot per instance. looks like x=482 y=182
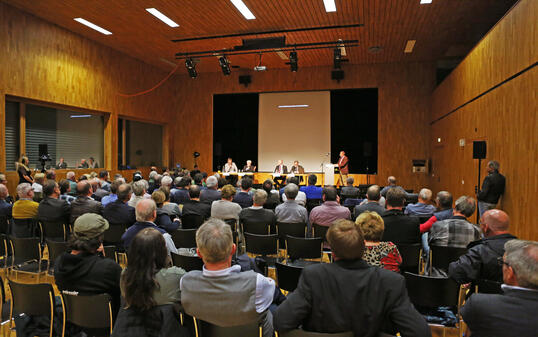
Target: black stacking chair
x=283 y=229
x=192 y=221
x=110 y=252
x=205 y=329
x=4 y=305
x=256 y=227
x=56 y=248
x=441 y=256
x=27 y=256
x=113 y=234
x=53 y=230
x=304 y=248
x=320 y=231
x=187 y=262
x=302 y=333
x=32 y=300
x=488 y=287
x=232 y=223
x=287 y=276
x=184 y=238
x=24 y=228
x=311 y=203
x=91 y=313
x=5 y=252
x=411 y=257
x=264 y=245
x=5 y=225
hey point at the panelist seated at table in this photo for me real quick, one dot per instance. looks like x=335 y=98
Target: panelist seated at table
x=296 y=168
x=230 y=166
x=249 y=167
x=281 y=168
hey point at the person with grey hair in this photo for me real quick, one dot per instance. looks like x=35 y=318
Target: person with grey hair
x=514 y=312
x=456 y=231
x=492 y=188
x=146 y=213
x=257 y=214
x=300 y=198
x=290 y=211
x=422 y=208
x=221 y=294
x=391 y=180
x=372 y=202
x=166 y=181
x=70 y=176
x=211 y=193
x=349 y=191
x=24 y=208
x=139 y=192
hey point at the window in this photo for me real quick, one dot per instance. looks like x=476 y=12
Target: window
x=139 y=144
x=12 y=135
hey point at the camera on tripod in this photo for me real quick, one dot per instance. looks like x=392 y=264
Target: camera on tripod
x=44 y=155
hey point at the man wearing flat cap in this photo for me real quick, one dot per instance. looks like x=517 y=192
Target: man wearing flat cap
x=83 y=269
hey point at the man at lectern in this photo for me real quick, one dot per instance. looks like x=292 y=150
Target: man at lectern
x=281 y=168
x=248 y=167
x=230 y=166
x=296 y=168
x=343 y=166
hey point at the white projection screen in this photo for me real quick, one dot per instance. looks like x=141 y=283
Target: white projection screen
x=294 y=126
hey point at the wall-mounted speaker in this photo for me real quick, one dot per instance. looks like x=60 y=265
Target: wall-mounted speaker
x=245 y=80
x=479 y=149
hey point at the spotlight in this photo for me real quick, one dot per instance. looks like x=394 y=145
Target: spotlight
x=224 y=65
x=337 y=58
x=196 y=154
x=293 y=61
x=191 y=67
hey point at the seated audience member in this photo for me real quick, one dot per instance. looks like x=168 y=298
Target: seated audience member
x=444 y=210
x=5 y=206
x=24 y=208
x=52 y=208
x=169 y=207
x=481 y=260
x=301 y=196
x=83 y=269
x=50 y=174
x=83 y=164
x=312 y=191
x=194 y=206
x=421 y=208
x=225 y=208
x=163 y=218
x=456 y=231
x=146 y=213
x=290 y=211
x=65 y=190
x=180 y=194
x=326 y=213
x=99 y=192
x=378 y=253
x=273 y=197
x=211 y=193
x=391 y=184
x=103 y=177
x=221 y=182
x=84 y=203
x=372 y=196
x=256 y=213
x=139 y=191
x=61 y=164
x=243 y=197
x=399 y=228
x=221 y=294
x=113 y=196
x=514 y=312
x=119 y=212
x=350 y=191
x=153 y=181
x=37 y=186
x=166 y=181
x=337 y=297
x=70 y=176
x=199 y=180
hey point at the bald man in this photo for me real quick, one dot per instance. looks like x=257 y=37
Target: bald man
x=481 y=260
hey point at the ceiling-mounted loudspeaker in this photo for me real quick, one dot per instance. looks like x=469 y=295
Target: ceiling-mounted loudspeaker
x=245 y=80
x=337 y=74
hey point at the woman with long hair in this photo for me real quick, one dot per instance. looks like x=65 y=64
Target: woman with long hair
x=25 y=174
x=150 y=280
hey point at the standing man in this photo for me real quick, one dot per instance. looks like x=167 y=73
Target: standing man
x=281 y=168
x=492 y=188
x=230 y=166
x=343 y=167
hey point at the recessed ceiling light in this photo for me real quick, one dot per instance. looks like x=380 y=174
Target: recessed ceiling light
x=422 y=2
x=80 y=116
x=240 y=5
x=93 y=26
x=294 y=106
x=330 y=6
x=409 y=46
x=162 y=17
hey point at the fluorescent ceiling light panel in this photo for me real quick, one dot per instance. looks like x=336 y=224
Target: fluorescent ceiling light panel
x=294 y=106
x=409 y=46
x=422 y=2
x=80 y=116
x=162 y=17
x=330 y=6
x=282 y=55
x=240 y=5
x=93 y=26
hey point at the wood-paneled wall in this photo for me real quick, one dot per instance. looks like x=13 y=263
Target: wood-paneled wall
x=44 y=62
x=404 y=110
x=505 y=117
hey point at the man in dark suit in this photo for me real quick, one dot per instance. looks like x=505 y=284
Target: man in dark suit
x=492 y=188
x=296 y=168
x=243 y=198
x=84 y=203
x=194 y=206
x=399 y=228
x=61 y=164
x=514 y=312
x=349 y=295
x=52 y=208
x=372 y=204
x=258 y=214
x=350 y=191
x=281 y=168
x=180 y=194
x=211 y=193
x=119 y=212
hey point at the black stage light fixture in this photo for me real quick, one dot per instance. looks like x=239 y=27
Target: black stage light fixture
x=224 y=65
x=191 y=67
x=196 y=154
x=337 y=58
x=293 y=61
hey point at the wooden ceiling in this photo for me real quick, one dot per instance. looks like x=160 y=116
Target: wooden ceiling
x=443 y=29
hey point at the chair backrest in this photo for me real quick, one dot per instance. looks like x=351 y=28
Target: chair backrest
x=304 y=248
x=320 y=231
x=4 y=225
x=302 y=333
x=256 y=227
x=110 y=252
x=232 y=223
x=32 y=299
x=54 y=230
x=113 y=234
x=311 y=203
x=441 y=256
x=488 y=287
x=261 y=244
x=2 y=299
x=3 y=248
x=423 y=219
x=287 y=276
x=187 y=262
x=432 y=292
x=56 y=248
x=205 y=329
x=184 y=238
x=190 y=221
x=25 y=249
x=297 y=229
x=410 y=254
x=91 y=312
x=23 y=228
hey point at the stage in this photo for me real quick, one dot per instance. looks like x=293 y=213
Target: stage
x=360 y=179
